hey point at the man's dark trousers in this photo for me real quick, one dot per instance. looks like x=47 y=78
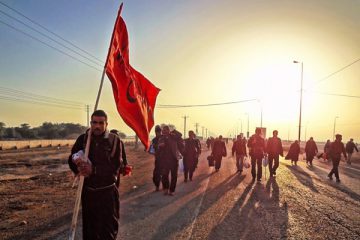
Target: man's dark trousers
x=157 y=173
x=256 y=161
x=100 y=213
x=335 y=168
x=165 y=177
x=273 y=159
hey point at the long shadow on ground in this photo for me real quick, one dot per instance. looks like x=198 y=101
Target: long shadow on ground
x=258 y=216
x=144 y=207
x=184 y=216
x=339 y=186
x=303 y=177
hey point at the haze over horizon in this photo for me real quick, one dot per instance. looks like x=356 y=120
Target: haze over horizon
x=197 y=52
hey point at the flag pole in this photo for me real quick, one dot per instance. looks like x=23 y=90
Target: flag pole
x=87 y=148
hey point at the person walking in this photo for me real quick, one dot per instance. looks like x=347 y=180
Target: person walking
x=239 y=148
x=336 y=148
x=191 y=154
x=100 y=196
x=170 y=146
x=157 y=166
x=350 y=147
x=326 y=150
x=256 y=145
x=218 y=152
x=274 y=149
x=310 y=151
x=294 y=152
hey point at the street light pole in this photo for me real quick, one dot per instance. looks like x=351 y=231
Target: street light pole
x=334 y=127
x=241 y=125
x=247 y=133
x=301 y=91
x=261 y=112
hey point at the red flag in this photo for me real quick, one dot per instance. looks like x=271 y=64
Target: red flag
x=134 y=95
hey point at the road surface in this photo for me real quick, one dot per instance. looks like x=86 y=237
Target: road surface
x=300 y=203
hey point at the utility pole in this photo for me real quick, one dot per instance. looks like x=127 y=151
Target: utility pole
x=136 y=141
x=241 y=126
x=196 y=128
x=334 y=127
x=87 y=111
x=185 y=117
x=247 y=133
x=301 y=92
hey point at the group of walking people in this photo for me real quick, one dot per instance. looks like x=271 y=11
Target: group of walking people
x=169 y=147
x=258 y=149
x=272 y=149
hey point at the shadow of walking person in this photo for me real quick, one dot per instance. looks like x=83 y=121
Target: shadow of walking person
x=303 y=177
x=181 y=222
x=258 y=214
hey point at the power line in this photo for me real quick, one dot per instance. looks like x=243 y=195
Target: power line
x=48 y=37
x=13 y=92
x=46 y=29
x=203 y=105
x=14 y=99
x=338 y=95
x=13 y=95
x=50 y=46
x=332 y=74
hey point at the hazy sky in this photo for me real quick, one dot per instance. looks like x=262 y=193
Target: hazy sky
x=197 y=52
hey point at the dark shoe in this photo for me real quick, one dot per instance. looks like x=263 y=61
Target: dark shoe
x=259 y=180
x=157 y=189
x=330 y=177
x=274 y=174
x=338 y=180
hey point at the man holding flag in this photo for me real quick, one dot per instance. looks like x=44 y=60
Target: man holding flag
x=100 y=196
x=135 y=98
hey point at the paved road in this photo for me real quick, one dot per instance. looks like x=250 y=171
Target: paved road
x=300 y=203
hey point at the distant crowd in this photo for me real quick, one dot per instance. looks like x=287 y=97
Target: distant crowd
x=255 y=152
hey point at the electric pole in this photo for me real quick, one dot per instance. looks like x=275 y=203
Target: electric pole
x=185 y=117
x=196 y=128
x=87 y=111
